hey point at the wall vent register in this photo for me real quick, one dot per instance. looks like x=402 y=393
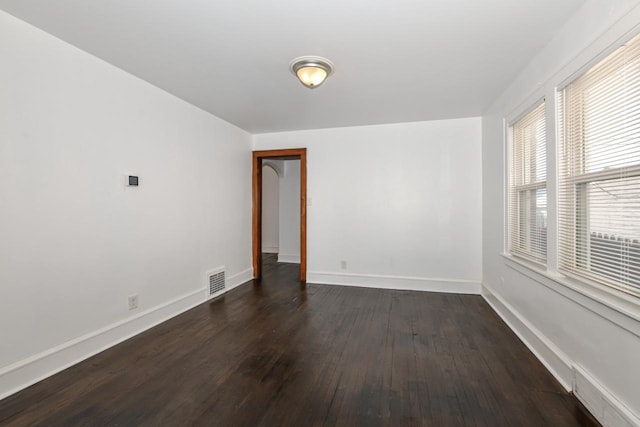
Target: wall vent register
x=216 y=282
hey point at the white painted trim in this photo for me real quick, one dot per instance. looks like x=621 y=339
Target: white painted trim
x=603 y=404
x=528 y=105
x=456 y=286
x=33 y=369
x=613 y=306
x=554 y=359
x=26 y=372
x=295 y=259
x=239 y=278
x=270 y=249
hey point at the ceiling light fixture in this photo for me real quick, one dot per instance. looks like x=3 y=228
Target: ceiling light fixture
x=311 y=70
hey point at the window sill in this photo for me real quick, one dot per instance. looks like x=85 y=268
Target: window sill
x=615 y=306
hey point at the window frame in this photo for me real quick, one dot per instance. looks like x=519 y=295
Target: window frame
x=521 y=191
x=574 y=242
x=620 y=308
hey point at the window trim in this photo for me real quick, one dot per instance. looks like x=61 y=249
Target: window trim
x=579 y=180
x=514 y=118
x=599 y=299
x=609 y=299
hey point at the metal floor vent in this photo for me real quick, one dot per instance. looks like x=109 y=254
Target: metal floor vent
x=216 y=282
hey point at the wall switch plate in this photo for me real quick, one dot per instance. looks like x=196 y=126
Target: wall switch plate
x=133 y=302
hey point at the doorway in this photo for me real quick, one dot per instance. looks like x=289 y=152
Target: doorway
x=272 y=180
x=286 y=154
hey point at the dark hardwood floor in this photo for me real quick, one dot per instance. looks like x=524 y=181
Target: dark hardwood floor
x=278 y=353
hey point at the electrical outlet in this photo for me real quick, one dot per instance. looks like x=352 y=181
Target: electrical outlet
x=133 y=302
x=343 y=265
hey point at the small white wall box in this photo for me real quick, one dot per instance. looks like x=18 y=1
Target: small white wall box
x=132 y=181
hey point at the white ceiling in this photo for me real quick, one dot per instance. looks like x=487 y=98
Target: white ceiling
x=396 y=60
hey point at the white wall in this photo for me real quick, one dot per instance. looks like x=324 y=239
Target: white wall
x=401 y=203
x=74 y=241
x=290 y=212
x=566 y=325
x=270 y=209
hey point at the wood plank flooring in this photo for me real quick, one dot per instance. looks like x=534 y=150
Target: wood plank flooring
x=278 y=353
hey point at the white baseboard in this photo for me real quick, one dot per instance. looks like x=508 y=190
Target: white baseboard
x=603 y=404
x=270 y=249
x=395 y=282
x=295 y=259
x=598 y=400
x=546 y=351
x=239 y=278
x=33 y=369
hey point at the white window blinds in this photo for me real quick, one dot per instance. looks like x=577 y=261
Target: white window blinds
x=599 y=182
x=528 y=187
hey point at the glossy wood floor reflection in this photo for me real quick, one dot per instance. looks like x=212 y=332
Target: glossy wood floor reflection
x=278 y=353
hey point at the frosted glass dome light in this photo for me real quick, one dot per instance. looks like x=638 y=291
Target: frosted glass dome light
x=311 y=70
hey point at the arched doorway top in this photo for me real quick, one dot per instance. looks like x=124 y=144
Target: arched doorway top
x=275 y=165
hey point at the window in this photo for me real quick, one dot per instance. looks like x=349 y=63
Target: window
x=528 y=187
x=599 y=182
